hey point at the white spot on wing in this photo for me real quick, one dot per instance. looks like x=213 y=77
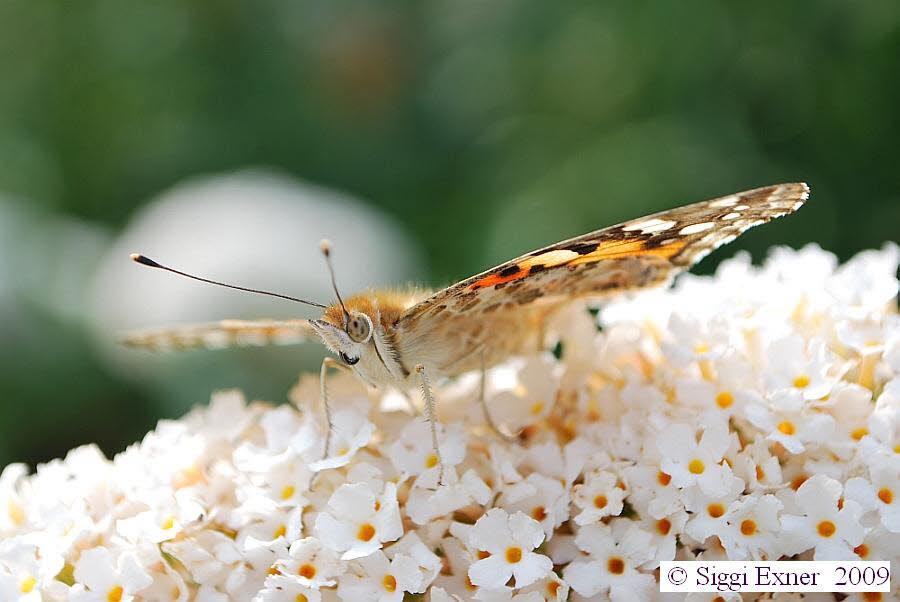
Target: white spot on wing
x=695 y=228
x=731 y=216
x=741 y=207
x=725 y=201
x=651 y=226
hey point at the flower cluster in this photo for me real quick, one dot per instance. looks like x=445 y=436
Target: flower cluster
x=754 y=414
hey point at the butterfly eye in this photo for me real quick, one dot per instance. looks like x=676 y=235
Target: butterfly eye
x=347 y=359
x=359 y=327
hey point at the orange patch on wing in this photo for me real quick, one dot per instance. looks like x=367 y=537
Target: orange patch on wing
x=613 y=249
x=494 y=279
x=621 y=249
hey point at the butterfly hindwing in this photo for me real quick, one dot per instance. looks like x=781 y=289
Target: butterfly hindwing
x=222 y=334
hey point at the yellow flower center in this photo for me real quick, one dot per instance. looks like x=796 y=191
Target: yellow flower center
x=27 y=584
x=536 y=408
x=760 y=473
x=724 y=399
x=615 y=565
x=114 y=594
x=664 y=479
x=696 y=466
x=366 y=532
x=279 y=532
x=16 y=513
x=748 y=527
x=288 y=492
x=663 y=526
x=431 y=461
x=600 y=501
x=801 y=382
x=482 y=554
x=716 y=510
x=885 y=495
x=539 y=513
x=872 y=596
x=307 y=571
x=301 y=598
x=168 y=523
x=798 y=481
x=787 y=427
x=826 y=528
x=859 y=433
x=862 y=550
x=389 y=583
x=513 y=555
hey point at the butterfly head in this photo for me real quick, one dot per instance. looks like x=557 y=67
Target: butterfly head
x=347 y=334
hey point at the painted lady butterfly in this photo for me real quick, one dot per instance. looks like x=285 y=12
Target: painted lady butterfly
x=387 y=337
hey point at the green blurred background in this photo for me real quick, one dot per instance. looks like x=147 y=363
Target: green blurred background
x=478 y=128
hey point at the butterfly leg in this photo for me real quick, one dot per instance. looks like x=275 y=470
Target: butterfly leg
x=328 y=362
x=482 y=399
x=431 y=415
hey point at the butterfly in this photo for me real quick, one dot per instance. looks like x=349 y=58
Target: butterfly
x=404 y=337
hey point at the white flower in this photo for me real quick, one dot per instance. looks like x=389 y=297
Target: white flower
x=708 y=513
x=664 y=533
x=533 y=396
x=689 y=462
x=24 y=571
x=351 y=432
x=652 y=490
x=509 y=539
x=166 y=518
x=790 y=423
x=100 y=577
x=879 y=544
x=549 y=589
x=359 y=521
x=412 y=452
x=376 y=578
x=311 y=564
x=832 y=529
x=600 y=495
x=542 y=498
x=10 y=498
x=809 y=370
x=209 y=556
x=697 y=340
x=424 y=505
x=615 y=555
x=279 y=588
x=882 y=495
x=758 y=467
x=752 y=528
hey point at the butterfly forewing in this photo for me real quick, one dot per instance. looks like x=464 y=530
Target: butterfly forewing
x=500 y=307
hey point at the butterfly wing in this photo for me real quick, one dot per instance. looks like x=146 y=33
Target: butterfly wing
x=220 y=335
x=637 y=254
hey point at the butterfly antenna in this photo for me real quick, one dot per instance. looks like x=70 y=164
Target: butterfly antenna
x=141 y=259
x=325 y=246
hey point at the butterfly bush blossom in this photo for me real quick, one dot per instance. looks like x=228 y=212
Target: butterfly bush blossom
x=754 y=414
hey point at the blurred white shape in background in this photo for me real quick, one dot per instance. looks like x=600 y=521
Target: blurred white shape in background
x=45 y=260
x=253 y=228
